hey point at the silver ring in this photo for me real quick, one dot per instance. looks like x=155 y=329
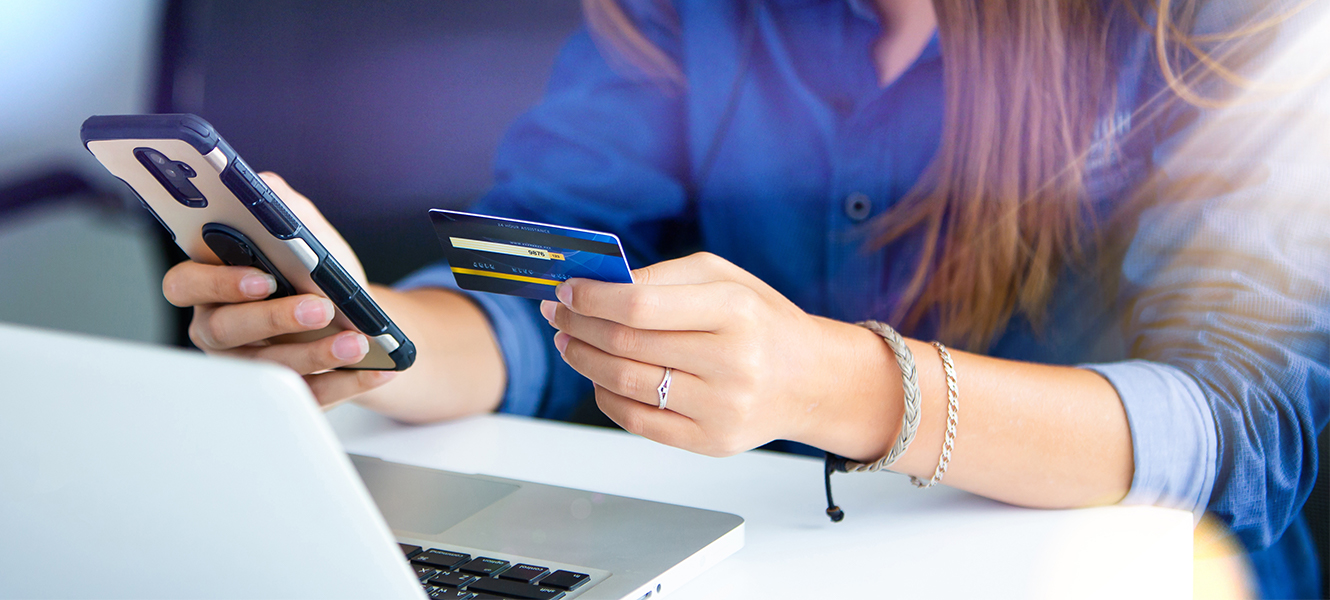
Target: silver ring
x=664 y=389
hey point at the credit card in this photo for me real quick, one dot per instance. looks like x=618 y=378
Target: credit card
x=522 y=258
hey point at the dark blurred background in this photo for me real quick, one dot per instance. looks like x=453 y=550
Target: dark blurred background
x=376 y=111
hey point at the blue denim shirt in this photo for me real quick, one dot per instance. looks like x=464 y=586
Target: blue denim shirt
x=1216 y=342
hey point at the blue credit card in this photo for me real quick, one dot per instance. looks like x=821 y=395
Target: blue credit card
x=522 y=258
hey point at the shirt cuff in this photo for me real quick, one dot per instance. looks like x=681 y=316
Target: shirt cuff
x=517 y=329
x=1174 y=444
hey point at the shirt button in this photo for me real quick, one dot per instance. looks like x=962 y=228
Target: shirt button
x=858 y=206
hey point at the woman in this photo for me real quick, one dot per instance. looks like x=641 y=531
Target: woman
x=1044 y=183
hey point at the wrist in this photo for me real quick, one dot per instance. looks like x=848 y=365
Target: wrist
x=859 y=399
x=387 y=399
x=459 y=369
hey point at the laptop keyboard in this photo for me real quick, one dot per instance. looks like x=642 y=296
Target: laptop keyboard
x=455 y=575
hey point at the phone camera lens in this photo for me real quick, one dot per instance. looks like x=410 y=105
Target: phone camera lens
x=169 y=172
x=157 y=158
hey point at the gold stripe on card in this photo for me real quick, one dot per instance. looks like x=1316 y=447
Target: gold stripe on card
x=522 y=278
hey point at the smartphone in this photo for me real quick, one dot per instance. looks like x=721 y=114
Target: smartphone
x=219 y=212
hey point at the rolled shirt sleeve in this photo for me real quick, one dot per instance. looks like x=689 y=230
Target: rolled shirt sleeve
x=519 y=329
x=1173 y=438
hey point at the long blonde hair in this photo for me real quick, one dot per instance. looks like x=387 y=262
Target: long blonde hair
x=1002 y=208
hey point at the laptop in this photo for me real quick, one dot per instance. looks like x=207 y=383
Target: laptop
x=128 y=470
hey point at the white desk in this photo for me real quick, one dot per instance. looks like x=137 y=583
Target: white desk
x=895 y=541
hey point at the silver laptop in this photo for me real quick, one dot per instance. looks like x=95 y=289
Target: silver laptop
x=128 y=470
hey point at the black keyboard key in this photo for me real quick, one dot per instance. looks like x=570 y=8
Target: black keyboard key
x=484 y=566
x=524 y=573
x=485 y=597
x=453 y=580
x=515 y=589
x=409 y=550
x=438 y=593
x=424 y=572
x=440 y=559
x=567 y=580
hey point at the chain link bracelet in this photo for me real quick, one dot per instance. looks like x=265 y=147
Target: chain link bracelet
x=953 y=407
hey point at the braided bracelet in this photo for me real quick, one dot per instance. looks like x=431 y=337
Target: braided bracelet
x=953 y=407
x=910 y=382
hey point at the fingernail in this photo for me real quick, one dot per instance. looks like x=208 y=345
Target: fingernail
x=561 y=341
x=547 y=309
x=258 y=285
x=315 y=311
x=350 y=347
x=564 y=293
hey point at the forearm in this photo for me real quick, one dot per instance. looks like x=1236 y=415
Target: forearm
x=1028 y=434
x=458 y=370
x=747 y=367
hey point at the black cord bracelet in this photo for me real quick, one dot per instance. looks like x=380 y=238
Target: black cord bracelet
x=834 y=462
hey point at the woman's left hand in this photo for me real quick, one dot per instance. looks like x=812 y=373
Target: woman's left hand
x=748 y=365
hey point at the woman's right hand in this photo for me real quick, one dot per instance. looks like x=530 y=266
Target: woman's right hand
x=232 y=315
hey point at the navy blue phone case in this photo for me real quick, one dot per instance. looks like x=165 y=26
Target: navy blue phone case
x=119 y=141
